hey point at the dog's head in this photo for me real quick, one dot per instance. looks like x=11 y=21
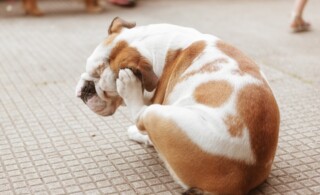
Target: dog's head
x=97 y=86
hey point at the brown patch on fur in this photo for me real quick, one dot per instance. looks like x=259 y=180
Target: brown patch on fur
x=257 y=107
x=207 y=68
x=176 y=63
x=115 y=51
x=213 y=93
x=235 y=125
x=122 y=56
x=160 y=92
x=245 y=64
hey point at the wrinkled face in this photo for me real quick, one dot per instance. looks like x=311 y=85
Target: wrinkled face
x=97 y=86
x=99 y=93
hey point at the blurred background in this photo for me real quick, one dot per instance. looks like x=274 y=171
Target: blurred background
x=51 y=143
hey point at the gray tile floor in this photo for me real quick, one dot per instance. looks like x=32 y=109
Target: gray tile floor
x=50 y=143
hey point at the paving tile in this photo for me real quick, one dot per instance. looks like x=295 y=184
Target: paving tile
x=50 y=143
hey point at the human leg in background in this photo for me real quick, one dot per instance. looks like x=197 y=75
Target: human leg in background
x=298 y=24
x=31 y=7
x=93 y=6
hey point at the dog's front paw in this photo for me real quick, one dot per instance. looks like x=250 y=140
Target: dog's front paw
x=130 y=89
x=129 y=86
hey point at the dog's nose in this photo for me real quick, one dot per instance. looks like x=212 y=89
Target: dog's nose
x=87 y=91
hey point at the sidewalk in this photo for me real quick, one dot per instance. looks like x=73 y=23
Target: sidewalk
x=51 y=143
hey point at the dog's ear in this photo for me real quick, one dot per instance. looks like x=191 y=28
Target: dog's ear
x=117 y=24
x=148 y=78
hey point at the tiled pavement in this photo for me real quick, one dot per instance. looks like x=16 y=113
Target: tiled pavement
x=50 y=143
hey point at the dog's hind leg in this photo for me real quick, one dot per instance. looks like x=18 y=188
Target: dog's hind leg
x=170 y=140
x=183 y=137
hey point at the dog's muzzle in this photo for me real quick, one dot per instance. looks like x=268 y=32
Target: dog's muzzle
x=88 y=91
x=95 y=98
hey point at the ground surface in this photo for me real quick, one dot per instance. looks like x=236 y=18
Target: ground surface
x=51 y=143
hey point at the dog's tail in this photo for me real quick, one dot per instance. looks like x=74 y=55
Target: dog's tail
x=195 y=191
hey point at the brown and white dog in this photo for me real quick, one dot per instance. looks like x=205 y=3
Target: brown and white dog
x=204 y=105
x=31 y=7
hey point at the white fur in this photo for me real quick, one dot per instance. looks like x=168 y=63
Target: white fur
x=130 y=89
x=107 y=82
x=98 y=57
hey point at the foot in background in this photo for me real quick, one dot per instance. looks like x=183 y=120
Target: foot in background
x=299 y=25
x=93 y=6
x=31 y=8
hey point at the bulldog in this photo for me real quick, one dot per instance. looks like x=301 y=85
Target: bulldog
x=204 y=105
